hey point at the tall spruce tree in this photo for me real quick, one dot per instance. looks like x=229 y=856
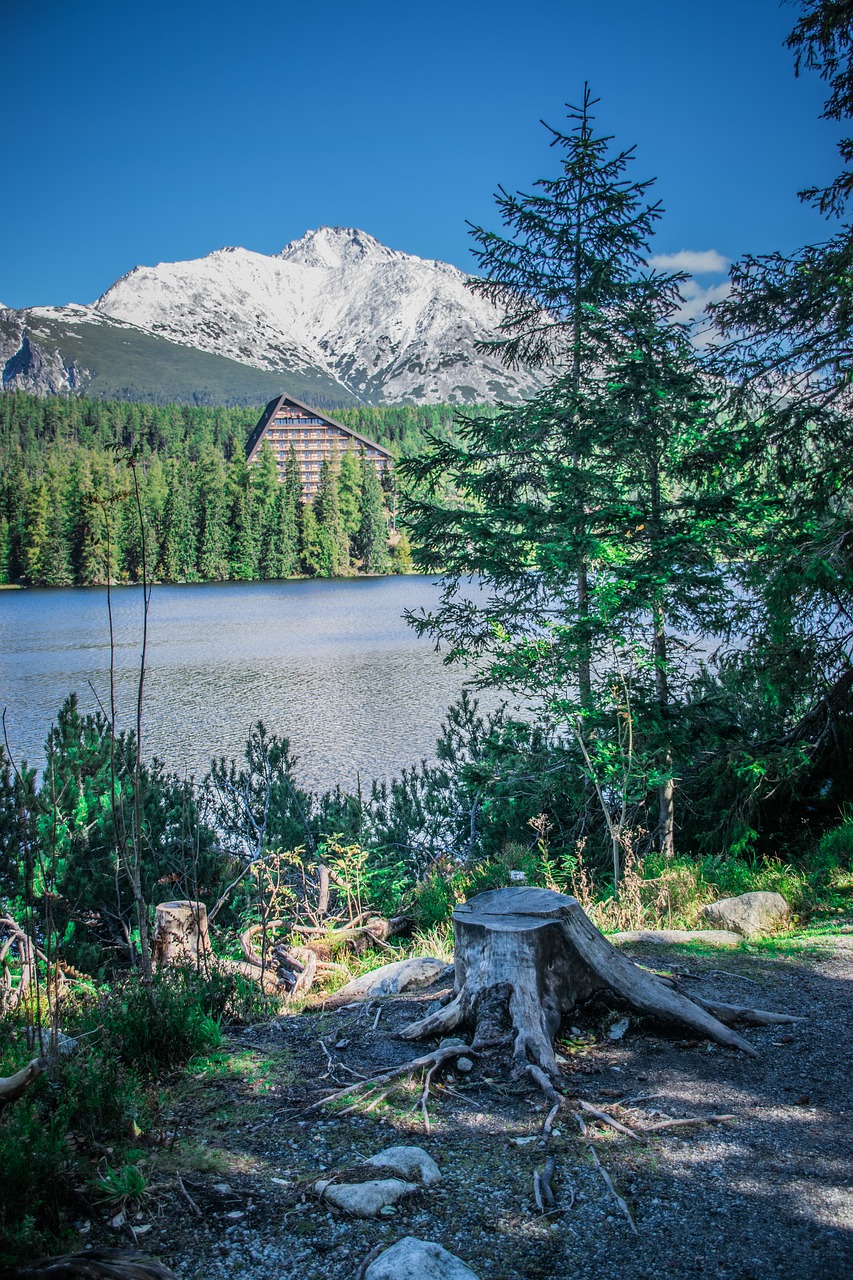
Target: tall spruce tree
x=545 y=498
x=212 y=514
x=564 y=272
x=334 y=543
x=371 y=540
x=787 y=337
x=350 y=491
x=266 y=512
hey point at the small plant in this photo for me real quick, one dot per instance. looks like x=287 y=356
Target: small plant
x=121 y=1188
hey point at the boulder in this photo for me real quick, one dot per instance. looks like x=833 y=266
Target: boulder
x=415 y=1259
x=750 y=914
x=365 y=1197
x=391 y=979
x=412 y=1163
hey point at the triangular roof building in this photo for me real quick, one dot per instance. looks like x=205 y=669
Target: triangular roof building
x=314 y=437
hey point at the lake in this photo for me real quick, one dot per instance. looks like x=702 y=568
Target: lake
x=332 y=665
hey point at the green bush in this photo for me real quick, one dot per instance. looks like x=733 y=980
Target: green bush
x=160 y=1029
x=46 y=1138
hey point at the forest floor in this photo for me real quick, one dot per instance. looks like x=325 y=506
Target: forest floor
x=766 y=1195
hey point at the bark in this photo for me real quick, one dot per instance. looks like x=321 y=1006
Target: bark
x=181 y=935
x=12 y=1087
x=524 y=959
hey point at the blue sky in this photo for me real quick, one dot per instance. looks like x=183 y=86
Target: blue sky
x=161 y=131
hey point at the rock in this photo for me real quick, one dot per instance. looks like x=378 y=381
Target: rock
x=750 y=914
x=418 y=1260
x=391 y=979
x=713 y=937
x=412 y=1163
x=463 y=1064
x=365 y=1199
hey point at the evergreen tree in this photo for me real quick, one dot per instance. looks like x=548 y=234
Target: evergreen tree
x=286 y=560
x=35 y=531
x=55 y=566
x=311 y=547
x=401 y=553
x=177 y=559
x=212 y=517
x=349 y=492
x=243 y=551
x=572 y=509
x=371 y=542
x=334 y=544
x=266 y=511
x=564 y=275
x=5 y=552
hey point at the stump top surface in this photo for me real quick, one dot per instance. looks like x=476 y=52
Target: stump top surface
x=528 y=906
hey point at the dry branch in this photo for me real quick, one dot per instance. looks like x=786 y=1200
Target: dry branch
x=608 y=1181
x=434 y=1059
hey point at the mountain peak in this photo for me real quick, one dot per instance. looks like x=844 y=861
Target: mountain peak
x=335 y=246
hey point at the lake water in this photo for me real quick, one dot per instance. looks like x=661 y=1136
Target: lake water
x=332 y=665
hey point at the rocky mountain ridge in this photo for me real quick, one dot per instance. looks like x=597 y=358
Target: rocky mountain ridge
x=336 y=311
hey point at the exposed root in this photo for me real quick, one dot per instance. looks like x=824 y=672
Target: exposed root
x=543 y=1193
x=683 y=1124
x=608 y=1181
x=435 y=1059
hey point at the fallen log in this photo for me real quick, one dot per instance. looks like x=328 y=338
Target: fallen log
x=13 y=1087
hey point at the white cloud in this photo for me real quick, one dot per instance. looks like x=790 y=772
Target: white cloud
x=695 y=262
x=696 y=298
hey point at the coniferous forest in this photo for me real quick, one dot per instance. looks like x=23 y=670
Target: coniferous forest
x=76 y=477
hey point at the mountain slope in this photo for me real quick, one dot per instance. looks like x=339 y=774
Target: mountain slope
x=389 y=326
x=76 y=350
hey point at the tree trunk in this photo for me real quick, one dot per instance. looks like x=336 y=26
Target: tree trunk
x=526 y=957
x=181 y=935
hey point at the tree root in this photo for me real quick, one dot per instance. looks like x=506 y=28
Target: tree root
x=428 y=1060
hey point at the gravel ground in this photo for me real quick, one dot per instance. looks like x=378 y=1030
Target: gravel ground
x=764 y=1196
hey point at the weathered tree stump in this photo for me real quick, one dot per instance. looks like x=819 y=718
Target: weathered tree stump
x=526 y=957
x=181 y=934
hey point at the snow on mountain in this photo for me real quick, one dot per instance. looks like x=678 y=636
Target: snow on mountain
x=386 y=325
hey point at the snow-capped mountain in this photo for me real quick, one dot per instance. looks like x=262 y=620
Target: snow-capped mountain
x=385 y=325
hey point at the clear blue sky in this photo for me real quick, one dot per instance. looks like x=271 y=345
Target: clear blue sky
x=139 y=133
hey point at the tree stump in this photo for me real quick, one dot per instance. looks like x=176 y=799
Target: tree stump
x=525 y=957
x=181 y=935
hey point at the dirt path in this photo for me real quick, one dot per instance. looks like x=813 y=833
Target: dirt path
x=767 y=1195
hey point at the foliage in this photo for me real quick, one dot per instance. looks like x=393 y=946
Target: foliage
x=67 y=512
x=161 y=1028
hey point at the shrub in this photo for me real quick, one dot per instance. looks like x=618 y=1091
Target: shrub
x=162 y=1028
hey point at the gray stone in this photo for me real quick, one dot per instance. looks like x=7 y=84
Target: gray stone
x=463 y=1064
x=364 y=1199
x=413 y=1259
x=391 y=979
x=412 y=1163
x=750 y=914
x=367 y=1197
